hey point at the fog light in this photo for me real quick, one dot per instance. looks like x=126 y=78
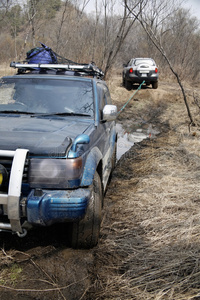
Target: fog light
x=1 y=179
x=3 y=175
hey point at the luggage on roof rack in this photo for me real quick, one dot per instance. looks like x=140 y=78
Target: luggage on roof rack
x=82 y=69
x=41 y=55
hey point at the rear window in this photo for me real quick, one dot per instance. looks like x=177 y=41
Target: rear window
x=144 y=61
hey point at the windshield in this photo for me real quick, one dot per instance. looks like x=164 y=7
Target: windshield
x=46 y=96
x=144 y=61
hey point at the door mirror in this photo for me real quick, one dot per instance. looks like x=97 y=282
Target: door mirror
x=109 y=112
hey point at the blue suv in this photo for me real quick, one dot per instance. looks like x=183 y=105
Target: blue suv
x=57 y=148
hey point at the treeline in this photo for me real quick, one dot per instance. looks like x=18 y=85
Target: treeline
x=110 y=35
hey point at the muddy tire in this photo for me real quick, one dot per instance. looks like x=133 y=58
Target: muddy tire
x=128 y=85
x=113 y=165
x=85 y=233
x=114 y=158
x=155 y=85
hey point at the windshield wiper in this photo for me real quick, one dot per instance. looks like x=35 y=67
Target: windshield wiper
x=16 y=112
x=33 y=114
x=61 y=114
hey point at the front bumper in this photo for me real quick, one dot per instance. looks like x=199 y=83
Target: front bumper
x=57 y=206
x=21 y=207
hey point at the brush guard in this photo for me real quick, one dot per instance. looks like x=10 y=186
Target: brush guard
x=11 y=200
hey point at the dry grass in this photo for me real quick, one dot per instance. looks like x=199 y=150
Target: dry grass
x=6 y=70
x=150 y=246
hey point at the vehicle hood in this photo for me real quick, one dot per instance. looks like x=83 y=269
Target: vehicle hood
x=44 y=137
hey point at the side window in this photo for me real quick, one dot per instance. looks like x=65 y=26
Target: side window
x=102 y=104
x=101 y=99
x=104 y=97
x=107 y=95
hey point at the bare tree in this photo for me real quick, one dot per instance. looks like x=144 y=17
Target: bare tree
x=81 y=6
x=71 y=26
x=125 y=22
x=63 y=18
x=4 y=6
x=31 y=16
x=184 y=38
x=97 y=20
x=153 y=25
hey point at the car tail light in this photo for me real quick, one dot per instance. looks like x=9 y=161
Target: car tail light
x=131 y=70
x=156 y=70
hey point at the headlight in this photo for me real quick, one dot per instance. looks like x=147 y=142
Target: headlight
x=54 y=173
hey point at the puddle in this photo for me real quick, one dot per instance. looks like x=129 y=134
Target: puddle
x=127 y=139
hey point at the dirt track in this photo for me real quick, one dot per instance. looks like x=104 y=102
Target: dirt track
x=150 y=245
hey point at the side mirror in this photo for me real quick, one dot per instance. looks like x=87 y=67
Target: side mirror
x=109 y=112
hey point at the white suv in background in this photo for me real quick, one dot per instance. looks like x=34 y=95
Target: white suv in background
x=139 y=70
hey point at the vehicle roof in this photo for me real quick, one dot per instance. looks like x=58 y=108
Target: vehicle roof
x=142 y=58
x=52 y=75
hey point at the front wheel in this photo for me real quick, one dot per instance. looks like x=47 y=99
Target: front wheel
x=85 y=233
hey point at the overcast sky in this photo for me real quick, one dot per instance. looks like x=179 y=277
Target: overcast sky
x=194 y=5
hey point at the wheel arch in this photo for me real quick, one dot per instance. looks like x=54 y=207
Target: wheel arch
x=93 y=163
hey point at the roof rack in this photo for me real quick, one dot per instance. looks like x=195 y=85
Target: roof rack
x=83 y=69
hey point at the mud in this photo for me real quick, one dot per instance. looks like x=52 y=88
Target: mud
x=43 y=266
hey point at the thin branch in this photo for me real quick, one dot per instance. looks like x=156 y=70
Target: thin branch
x=43 y=290
x=61 y=24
